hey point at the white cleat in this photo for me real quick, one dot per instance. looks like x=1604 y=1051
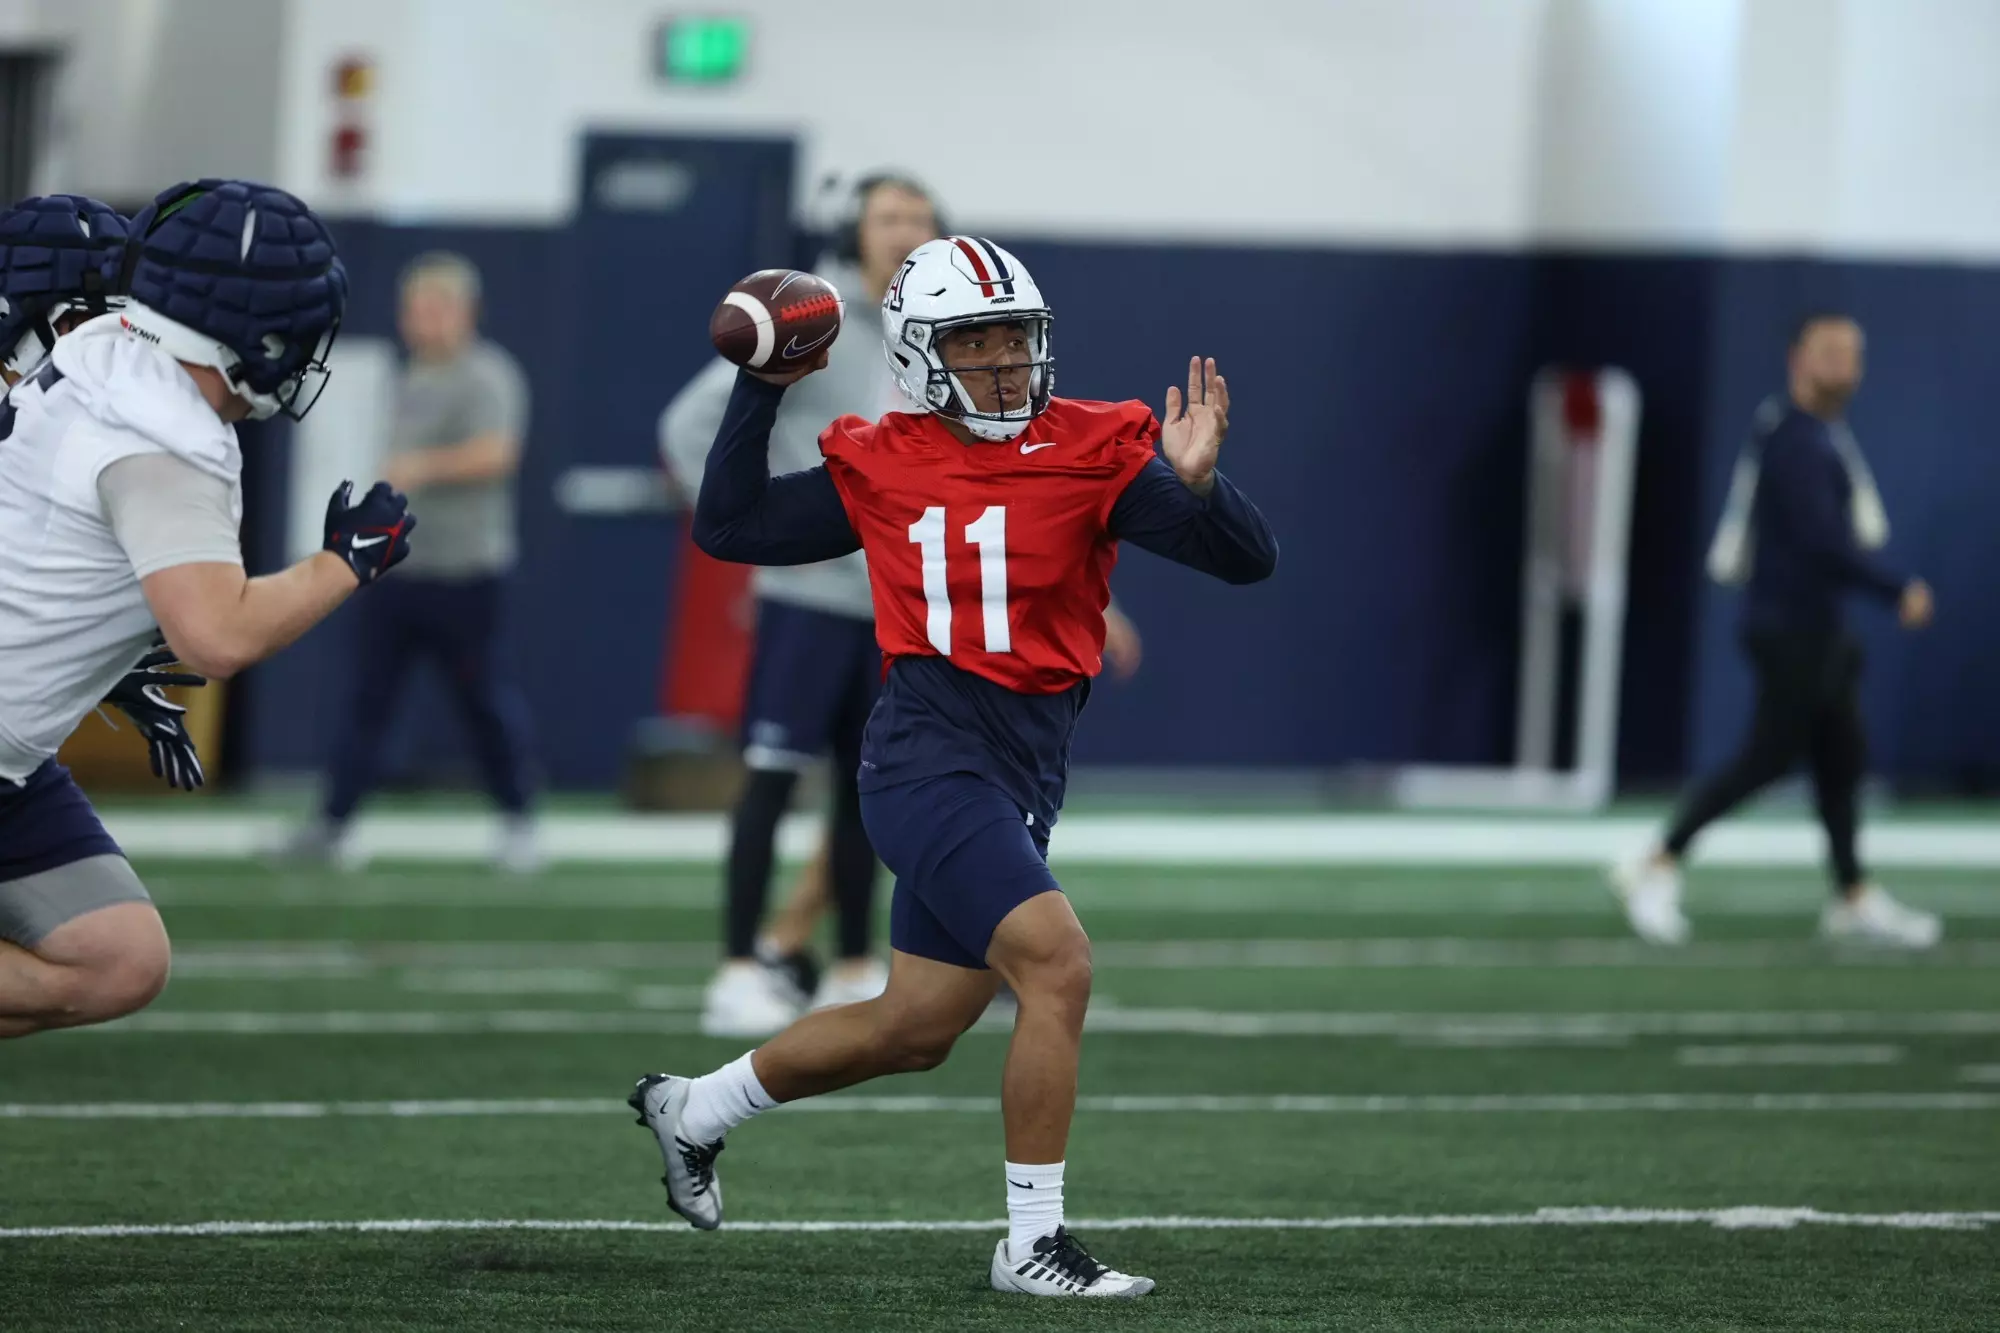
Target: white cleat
x=1651 y=895
x=846 y=983
x=692 y=1188
x=1873 y=917
x=1060 y=1267
x=748 y=1000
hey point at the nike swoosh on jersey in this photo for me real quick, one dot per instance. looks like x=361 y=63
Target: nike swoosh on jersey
x=372 y=541
x=1030 y=448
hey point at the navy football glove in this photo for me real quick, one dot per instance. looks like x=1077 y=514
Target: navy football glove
x=373 y=535
x=141 y=696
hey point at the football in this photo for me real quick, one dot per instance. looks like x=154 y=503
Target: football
x=776 y=320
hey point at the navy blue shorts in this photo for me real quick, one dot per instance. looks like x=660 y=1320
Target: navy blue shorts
x=45 y=822
x=813 y=679
x=964 y=856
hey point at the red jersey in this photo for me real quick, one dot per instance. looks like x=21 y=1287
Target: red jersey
x=995 y=556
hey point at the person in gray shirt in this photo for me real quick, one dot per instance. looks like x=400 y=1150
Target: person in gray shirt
x=461 y=410
x=816 y=669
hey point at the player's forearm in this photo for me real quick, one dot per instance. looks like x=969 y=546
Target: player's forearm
x=746 y=515
x=220 y=626
x=689 y=425
x=738 y=470
x=1230 y=537
x=1219 y=533
x=1859 y=569
x=1820 y=525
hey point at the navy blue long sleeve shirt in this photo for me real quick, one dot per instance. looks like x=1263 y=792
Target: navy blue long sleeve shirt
x=1806 y=558
x=934 y=718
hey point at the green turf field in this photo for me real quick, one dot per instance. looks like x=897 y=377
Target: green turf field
x=1439 y=1079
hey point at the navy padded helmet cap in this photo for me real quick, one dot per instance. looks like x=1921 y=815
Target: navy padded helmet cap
x=247 y=265
x=54 y=249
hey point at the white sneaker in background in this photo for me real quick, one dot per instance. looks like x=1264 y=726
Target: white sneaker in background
x=849 y=982
x=319 y=843
x=1873 y=917
x=747 y=1000
x=1650 y=892
x=520 y=851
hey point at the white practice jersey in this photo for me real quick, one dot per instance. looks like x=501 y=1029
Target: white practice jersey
x=73 y=619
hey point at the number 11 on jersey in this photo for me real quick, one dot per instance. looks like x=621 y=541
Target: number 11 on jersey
x=988 y=532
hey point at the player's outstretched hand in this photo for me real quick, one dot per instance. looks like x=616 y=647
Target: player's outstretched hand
x=1917 y=605
x=1122 y=645
x=371 y=534
x=783 y=377
x=1192 y=433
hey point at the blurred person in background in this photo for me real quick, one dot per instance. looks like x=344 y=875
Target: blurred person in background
x=1800 y=531
x=120 y=502
x=815 y=670
x=461 y=410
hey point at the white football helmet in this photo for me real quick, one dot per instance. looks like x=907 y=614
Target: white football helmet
x=953 y=282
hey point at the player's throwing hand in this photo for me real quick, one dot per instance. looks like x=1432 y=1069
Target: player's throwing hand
x=1192 y=434
x=788 y=376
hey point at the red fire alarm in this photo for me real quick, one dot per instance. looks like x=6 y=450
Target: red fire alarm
x=352 y=88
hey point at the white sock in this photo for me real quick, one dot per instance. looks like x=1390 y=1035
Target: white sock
x=719 y=1102
x=1034 y=1205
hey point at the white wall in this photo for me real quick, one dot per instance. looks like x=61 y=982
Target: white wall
x=1919 y=127
x=1406 y=120
x=1860 y=126
x=151 y=92
x=1869 y=127
x=1638 y=109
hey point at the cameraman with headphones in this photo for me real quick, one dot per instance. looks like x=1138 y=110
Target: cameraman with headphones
x=816 y=668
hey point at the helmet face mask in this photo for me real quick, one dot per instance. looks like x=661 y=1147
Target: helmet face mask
x=954 y=390
x=955 y=283
x=296 y=394
x=21 y=352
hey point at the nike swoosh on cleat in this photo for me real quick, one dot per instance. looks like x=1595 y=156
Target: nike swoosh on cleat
x=1030 y=448
x=372 y=541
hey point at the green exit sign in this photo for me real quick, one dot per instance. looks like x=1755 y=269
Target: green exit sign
x=702 y=50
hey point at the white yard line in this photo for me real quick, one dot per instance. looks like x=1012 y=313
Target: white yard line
x=1540 y=954
x=1980 y=1073
x=1734 y=1057
x=510 y=981
x=1177 y=839
x=1319 y=891
x=1121 y=1104
x=1753 y=1218
x=1555 y=1026
x=1446 y=1028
